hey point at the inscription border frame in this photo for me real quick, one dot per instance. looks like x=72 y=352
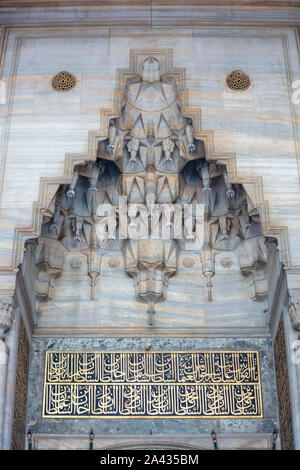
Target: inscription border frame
x=259 y=383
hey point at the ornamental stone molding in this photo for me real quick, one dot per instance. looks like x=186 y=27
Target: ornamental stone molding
x=294 y=311
x=6 y=314
x=293 y=299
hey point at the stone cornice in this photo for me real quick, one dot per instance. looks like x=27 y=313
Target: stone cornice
x=91 y=332
x=147 y=13
x=149 y=5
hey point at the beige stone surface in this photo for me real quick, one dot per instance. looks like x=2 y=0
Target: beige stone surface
x=116 y=310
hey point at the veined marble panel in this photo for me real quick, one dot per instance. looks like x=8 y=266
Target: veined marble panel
x=115 y=306
x=258 y=126
x=42 y=126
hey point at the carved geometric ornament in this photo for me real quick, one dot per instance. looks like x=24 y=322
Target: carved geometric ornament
x=238 y=81
x=283 y=390
x=21 y=388
x=63 y=81
x=177 y=200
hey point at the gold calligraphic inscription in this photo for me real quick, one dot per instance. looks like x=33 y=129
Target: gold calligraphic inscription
x=157 y=384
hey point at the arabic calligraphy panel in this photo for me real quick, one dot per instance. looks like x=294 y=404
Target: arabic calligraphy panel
x=152 y=384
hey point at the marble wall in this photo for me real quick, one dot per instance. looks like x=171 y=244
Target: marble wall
x=40 y=126
x=43 y=131
x=116 y=311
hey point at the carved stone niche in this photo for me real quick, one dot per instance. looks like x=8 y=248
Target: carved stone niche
x=150 y=194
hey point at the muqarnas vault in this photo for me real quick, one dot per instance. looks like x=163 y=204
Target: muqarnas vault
x=152 y=159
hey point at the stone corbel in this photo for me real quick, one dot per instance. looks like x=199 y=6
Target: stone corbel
x=6 y=314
